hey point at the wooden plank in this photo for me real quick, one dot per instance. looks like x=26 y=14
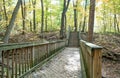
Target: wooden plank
x=2 y=64
x=97 y=63
x=92 y=59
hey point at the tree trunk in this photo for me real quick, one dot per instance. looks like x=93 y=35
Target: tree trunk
x=75 y=16
x=5 y=13
x=91 y=20
x=65 y=24
x=46 y=18
x=84 y=21
x=62 y=29
x=62 y=26
x=31 y=26
x=42 y=18
x=110 y=22
x=23 y=10
x=34 y=15
x=34 y=20
x=11 y=23
x=118 y=29
x=62 y=21
x=115 y=23
x=104 y=19
x=51 y=22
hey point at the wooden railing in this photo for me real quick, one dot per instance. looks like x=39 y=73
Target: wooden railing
x=91 y=55
x=16 y=60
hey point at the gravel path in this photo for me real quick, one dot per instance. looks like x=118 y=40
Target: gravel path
x=64 y=65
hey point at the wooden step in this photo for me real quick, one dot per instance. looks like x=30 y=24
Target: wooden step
x=73 y=40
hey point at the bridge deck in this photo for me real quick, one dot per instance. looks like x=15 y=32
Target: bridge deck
x=64 y=65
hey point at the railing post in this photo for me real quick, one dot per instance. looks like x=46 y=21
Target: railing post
x=92 y=57
x=2 y=64
x=47 y=49
x=32 y=57
x=97 y=55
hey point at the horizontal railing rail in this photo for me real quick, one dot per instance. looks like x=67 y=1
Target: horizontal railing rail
x=91 y=54
x=17 y=59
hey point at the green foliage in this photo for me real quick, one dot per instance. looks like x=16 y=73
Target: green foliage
x=105 y=12
x=105 y=9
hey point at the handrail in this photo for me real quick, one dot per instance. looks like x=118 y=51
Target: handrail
x=91 y=54
x=17 y=59
x=20 y=45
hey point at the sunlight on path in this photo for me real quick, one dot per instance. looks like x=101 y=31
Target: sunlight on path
x=65 y=65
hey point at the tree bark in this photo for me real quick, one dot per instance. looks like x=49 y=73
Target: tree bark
x=46 y=19
x=23 y=11
x=34 y=15
x=51 y=22
x=62 y=21
x=91 y=20
x=42 y=18
x=115 y=22
x=104 y=19
x=11 y=23
x=5 y=13
x=62 y=29
x=84 y=21
x=31 y=26
x=75 y=16
x=118 y=29
x=110 y=22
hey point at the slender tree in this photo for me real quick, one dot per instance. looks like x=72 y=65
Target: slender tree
x=30 y=21
x=5 y=13
x=75 y=15
x=62 y=30
x=31 y=29
x=42 y=16
x=104 y=18
x=11 y=23
x=84 y=19
x=34 y=15
x=46 y=18
x=23 y=11
x=51 y=21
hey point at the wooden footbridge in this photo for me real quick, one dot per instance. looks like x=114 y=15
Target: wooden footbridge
x=21 y=60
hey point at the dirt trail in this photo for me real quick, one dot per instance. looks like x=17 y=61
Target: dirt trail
x=65 y=65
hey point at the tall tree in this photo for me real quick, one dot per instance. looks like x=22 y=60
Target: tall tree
x=42 y=16
x=51 y=21
x=34 y=15
x=75 y=15
x=62 y=30
x=104 y=18
x=84 y=19
x=11 y=23
x=46 y=18
x=23 y=11
x=91 y=20
x=5 y=13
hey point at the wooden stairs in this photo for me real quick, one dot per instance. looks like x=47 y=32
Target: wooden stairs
x=73 y=39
